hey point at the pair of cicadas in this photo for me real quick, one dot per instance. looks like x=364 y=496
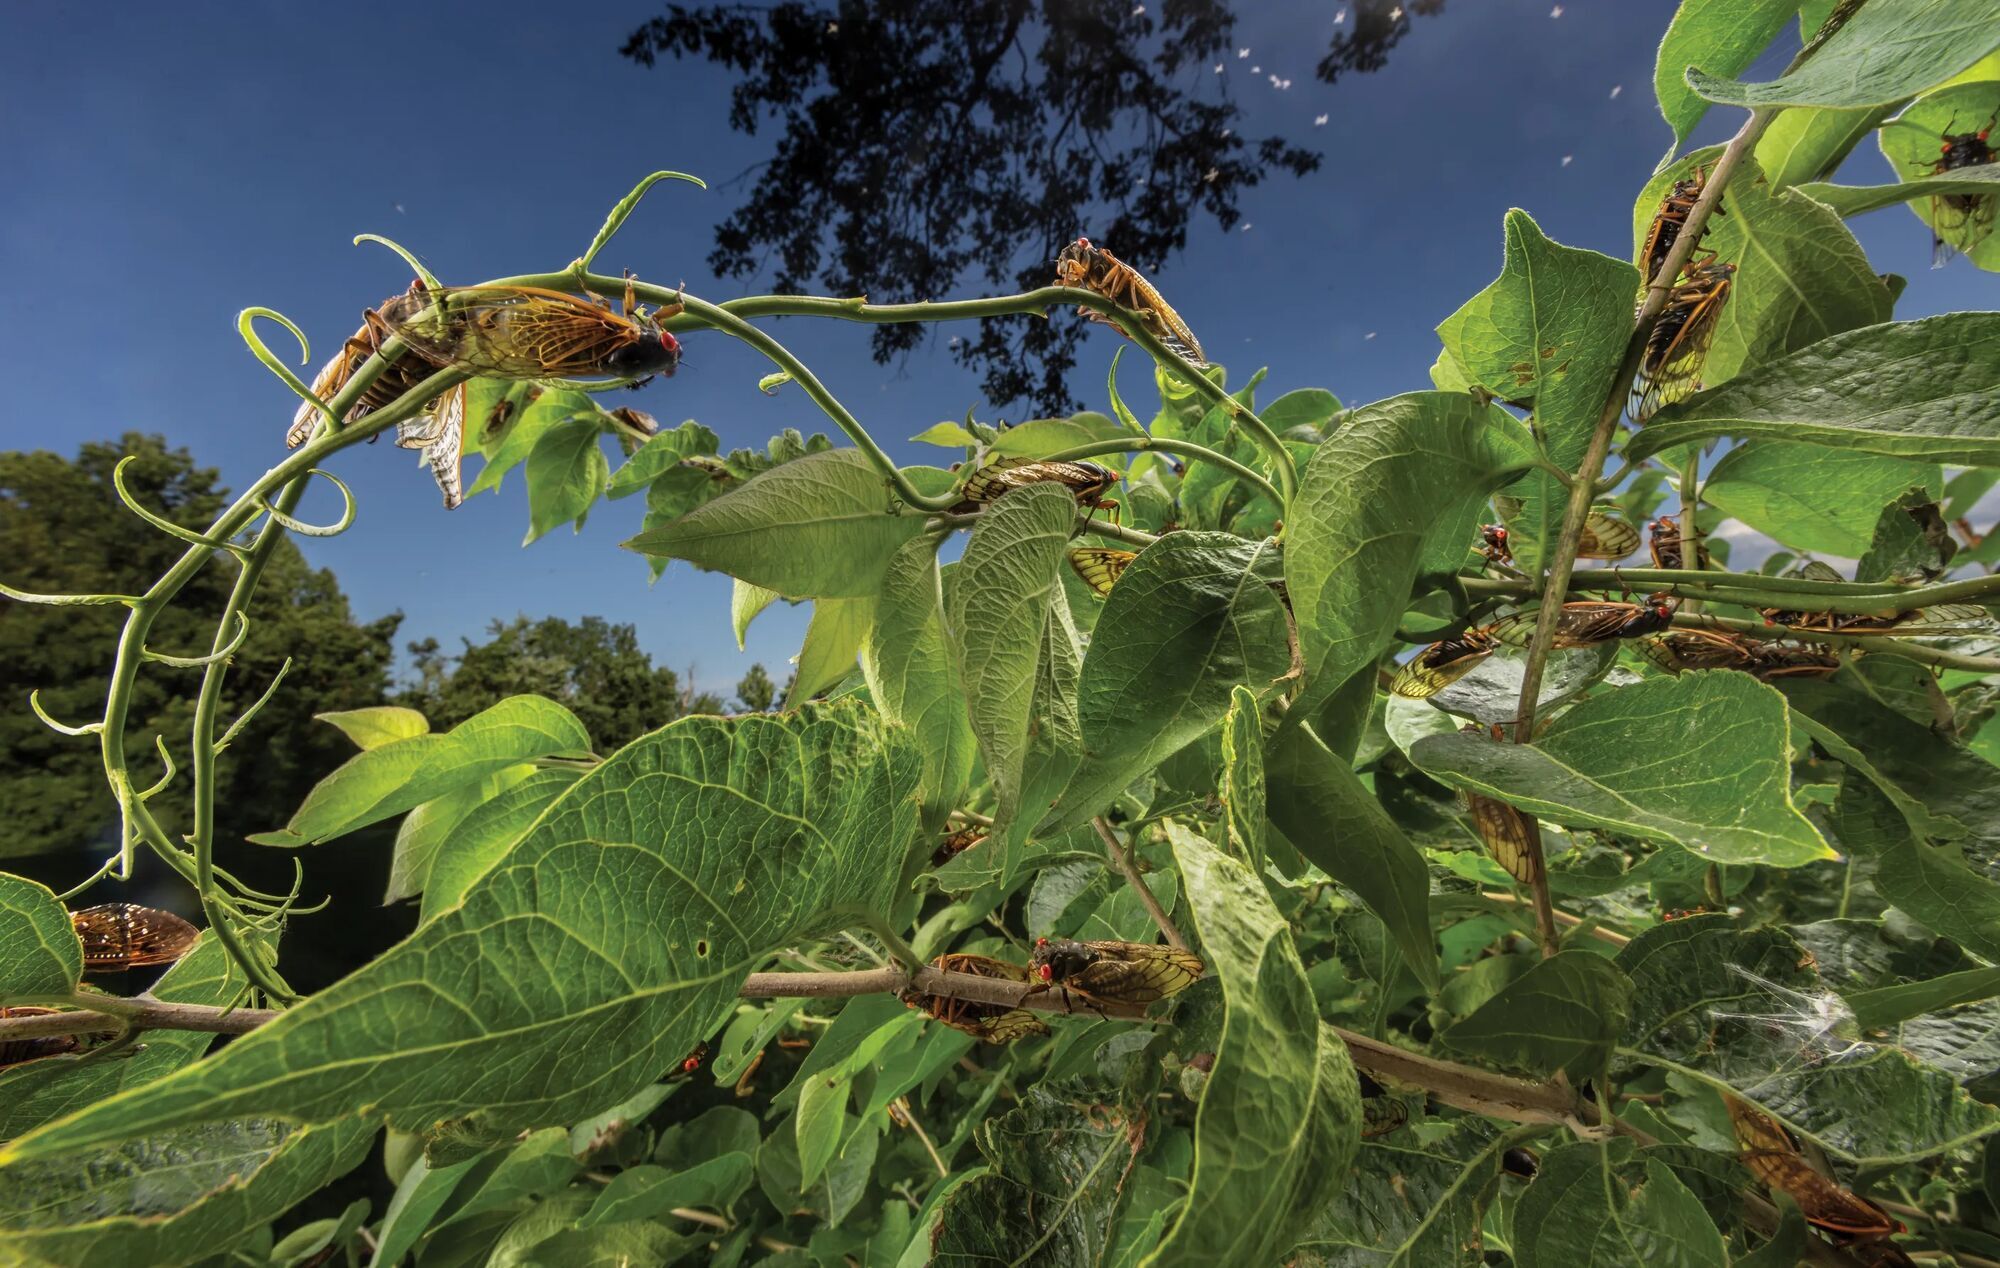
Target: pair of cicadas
x=1580 y=624
x=1720 y=649
x=1677 y=346
x=992 y=1023
x=1943 y=618
x=506 y=332
x=1605 y=536
x=1666 y=541
x=1096 y=973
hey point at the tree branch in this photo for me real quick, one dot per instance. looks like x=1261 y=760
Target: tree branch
x=1121 y=858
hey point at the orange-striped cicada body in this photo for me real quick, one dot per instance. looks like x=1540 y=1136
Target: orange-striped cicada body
x=118 y=936
x=1110 y=972
x=1668 y=222
x=1960 y=222
x=15 y=1052
x=958 y=843
x=1088 y=481
x=1677 y=346
x=1771 y=1155
x=525 y=332
x=1100 y=567
x=992 y=1023
x=1667 y=544
x=1698 y=649
x=1442 y=664
x=1587 y=621
x=1092 y=268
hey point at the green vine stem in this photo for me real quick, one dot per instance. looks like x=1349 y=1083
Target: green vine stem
x=1748 y=589
x=1907 y=648
x=624 y=208
x=1186 y=448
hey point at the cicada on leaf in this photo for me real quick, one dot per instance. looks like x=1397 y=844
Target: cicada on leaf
x=119 y=936
x=1494 y=544
x=1677 y=346
x=1100 y=567
x=1771 y=1155
x=1092 y=268
x=1442 y=664
x=1960 y=222
x=958 y=843
x=1668 y=222
x=15 y=1052
x=1087 y=480
x=525 y=332
x=1587 y=621
x=1605 y=536
x=1664 y=541
x=993 y=1023
x=1108 y=972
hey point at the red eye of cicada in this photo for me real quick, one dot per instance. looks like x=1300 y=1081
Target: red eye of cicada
x=1048 y=973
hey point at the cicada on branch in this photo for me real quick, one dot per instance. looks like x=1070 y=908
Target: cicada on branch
x=1109 y=972
x=1587 y=621
x=1442 y=664
x=1771 y=1154
x=118 y=936
x=993 y=1023
x=1664 y=540
x=1088 y=481
x=1960 y=222
x=1677 y=346
x=1668 y=222
x=1092 y=268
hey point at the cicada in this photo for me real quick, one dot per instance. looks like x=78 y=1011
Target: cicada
x=20 y=1051
x=958 y=843
x=119 y=936
x=1088 y=481
x=1381 y=1115
x=525 y=332
x=1677 y=346
x=1605 y=536
x=1960 y=222
x=1587 y=621
x=1105 y=972
x=993 y=1023
x=1771 y=1155
x=1698 y=649
x=1100 y=567
x=690 y=1063
x=1506 y=835
x=1668 y=222
x=1792 y=660
x=1664 y=541
x=1494 y=544
x=439 y=432
x=1442 y=664
x=1092 y=268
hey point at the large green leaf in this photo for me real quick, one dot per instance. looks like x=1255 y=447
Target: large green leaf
x=400 y=776
x=661 y=455
x=996 y=613
x=1856 y=200
x=1280 y=1115
x=1051 y=1193
x=40 y=957
x=1594 y=1205
x=1807 y=145
x=913 y=675
x=1781 y=490
x=425 y=829
x=1412 y=1201
x=1564 y=1013
x=833 y=638
x=1369 y=511
x=173 y=1197
x=566 y=472
x=1722 y=37
x=821 y=526
x=1726 y=795
x=591 y=958
x=1889 y=50
x=1935 y=885
x=484 y=836
x=1193 y=617
x=1323 y=810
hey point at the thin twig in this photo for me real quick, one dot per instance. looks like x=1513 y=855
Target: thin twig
x=910 y=1117
x=1562 y=917
x=1121 y=858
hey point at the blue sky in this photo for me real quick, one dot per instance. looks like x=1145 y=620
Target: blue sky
x=168 y=166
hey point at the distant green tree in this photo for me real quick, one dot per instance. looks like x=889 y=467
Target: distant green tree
x=593 y=667
x=756 y=691
x=62 y=528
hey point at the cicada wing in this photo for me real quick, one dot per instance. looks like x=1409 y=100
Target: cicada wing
x=1015 y=1023
x=444 y=453
x=1100 y=567
x=1605 y=536
x=1137 y=972
x=1435 y=668
x=1678 y=347
x=1504 y=830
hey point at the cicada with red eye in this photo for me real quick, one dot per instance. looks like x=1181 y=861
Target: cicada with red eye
x=1110 y=972
x=1100 y=567
x=1960 y=222
x=1587 y=621
x=1605 y=536
x=1442 y=664
x=1698 y=649
x=1666 y=543
x=992 y=1023
x=689 y=1064
x=1770 y=1153
x=958 y=843
x=118 y=936
x=1494 y=544
x=1092 y=268
x=525 y=332
x=1677 y=346
x=1668 y=222
x=15 y=1052
x=1088 y=481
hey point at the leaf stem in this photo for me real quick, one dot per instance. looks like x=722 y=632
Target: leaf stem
x=1187 y=448
x=1121 y=858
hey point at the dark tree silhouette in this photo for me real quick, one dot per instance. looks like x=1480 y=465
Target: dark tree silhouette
x=927 y=144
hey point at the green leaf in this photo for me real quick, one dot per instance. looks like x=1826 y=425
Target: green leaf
x=649 y=1192
x=1889 y=50
x=1808 y=145
x=1911 y=542
x=1368 y=514
x=1412 y=1200
x=372 y=728
x=1321 y=807
x=1933 y=884
x=1550 y=329
x=822 y=526
x=1884 y=1006
x=171 y=1198
x=1593 y=1205
x=997 y=608
x=529 y=411
x=566 y=472
x=947 y=433
x=913 y=675
x=1300 y=410
x=1050 y=1195
x=430 y=825
x=40 y=958
x=1911 y=144
x=1857 y=200
x=483 y=837
x=1726 y=796
x=660 y=455
x=1564 y=1013
x=1780 y=489
x=420 y=1195
x=745 y=602
x=1721 y=36
x=590 y=959
x=1242 y=790
x=833 y=637
x=1280 y=1115
x=1191 y=619
x=822 y=1106
x=400 y=776
x=1039 y=437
